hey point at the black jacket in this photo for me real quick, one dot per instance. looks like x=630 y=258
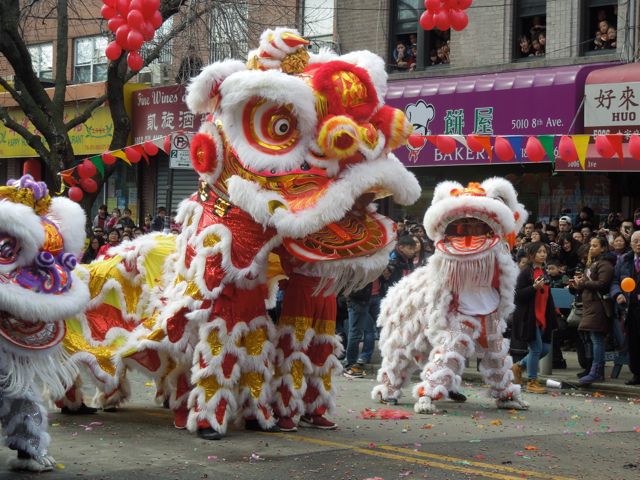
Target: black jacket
x=524 y=316
x=624 y=268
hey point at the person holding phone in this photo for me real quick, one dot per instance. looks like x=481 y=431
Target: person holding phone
x=535 y=315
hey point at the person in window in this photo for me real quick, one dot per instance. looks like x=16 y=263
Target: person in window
x=535 y=45
x=525 y=47
x=602 y=39
x=612 y=35
x=190 y=66
x=537 y=26
x=401 y=56
x=413 y=57
x=542 y=40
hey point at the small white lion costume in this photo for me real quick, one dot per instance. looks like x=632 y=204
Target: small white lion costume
x=459 y=302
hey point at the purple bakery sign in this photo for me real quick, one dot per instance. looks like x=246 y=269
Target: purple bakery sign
x=527 y=102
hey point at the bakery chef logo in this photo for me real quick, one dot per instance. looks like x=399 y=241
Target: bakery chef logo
x=420 y=115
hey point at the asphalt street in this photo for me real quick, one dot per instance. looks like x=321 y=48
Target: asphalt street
x=563 y=435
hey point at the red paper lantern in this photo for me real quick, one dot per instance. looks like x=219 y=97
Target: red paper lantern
x=416 y=141
x=134 y=40
x=121 y=36
x=76 y=194
x=442 y=20
x=503 y=149
x=108 y=158
x=113 y=51
x=634 y=146
x=132 y=154
x=473 y=144
x=567 y=150
x=604 y=147
x=459 y=20
x=150 y=148
x=427 y=20
x=108 y=12
x=534 y=149
x=446 y=144
x=149 y=7
x=89 y=185
x=135 y=61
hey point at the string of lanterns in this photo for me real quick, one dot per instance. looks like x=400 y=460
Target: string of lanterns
x=569 y=148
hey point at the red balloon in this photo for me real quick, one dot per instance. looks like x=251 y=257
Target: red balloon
x=433 y=4
x=76 y=194
x=108 y=12
x=89 y=185
x=135 y=19
x=459 y=20
x=417 y=141
x=446 y=144
x=442 y=20
x=108 y=158
x=449 y=3
x=115 y=23
x=473 y=144
x=121 y=36
x=462 y=4
x=89 y=169
x=150 y=148
x=634 y=146
x=156 y=19
x=503 y=149
x=132 y=154
x=147 y=31
x=567 y=150
x=135 y=5
x=534 y=149
x=113 y=51
x=110 y=3
x=134 y=40
x=427 y=20
x=149 y=7
x=123 y=7
x=135 y=61
x=604 y=147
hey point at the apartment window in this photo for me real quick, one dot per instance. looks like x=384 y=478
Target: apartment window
x=600 y=22
x=406 y=50
x=228 y=24
x=530 y=29
x=317 y=24
x=42 y=60
x=90 y=62
x=165 y=52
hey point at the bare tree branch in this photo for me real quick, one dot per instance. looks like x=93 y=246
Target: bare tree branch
x=62 y=54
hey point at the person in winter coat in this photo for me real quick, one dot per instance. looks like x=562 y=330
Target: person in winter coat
x=594 y=286
x=535 y=315
x=628 y=266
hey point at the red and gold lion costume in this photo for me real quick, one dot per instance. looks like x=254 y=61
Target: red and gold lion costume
x=295 y=148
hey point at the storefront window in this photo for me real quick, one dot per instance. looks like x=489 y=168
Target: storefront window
x=406 y=48
x=600 y=26
x=90 y=62
x=530 y=29
x=122 y=189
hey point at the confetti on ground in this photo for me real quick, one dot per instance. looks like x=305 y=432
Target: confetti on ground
x=598 y=395
x=384 y=414
x=149 y=384
x=374 y=478
x=530 y=448
x=496 y=423
x=405 y=474
x=427 y=426
x=212 y=458
x=60 y=466
x=479 y=457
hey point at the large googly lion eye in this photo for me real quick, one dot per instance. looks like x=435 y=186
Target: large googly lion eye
x=270 y=127
x=9 y=249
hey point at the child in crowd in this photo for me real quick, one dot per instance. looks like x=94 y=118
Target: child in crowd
x=557 y=279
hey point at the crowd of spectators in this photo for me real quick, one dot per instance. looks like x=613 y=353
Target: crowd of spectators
x=111 y=229
x=605 y=37
x=405 y=53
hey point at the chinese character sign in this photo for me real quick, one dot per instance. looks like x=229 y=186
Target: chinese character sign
x=612 y=105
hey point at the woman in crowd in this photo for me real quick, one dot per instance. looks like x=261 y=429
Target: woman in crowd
x=535 y=315
x=112 y=240
x=568 y=254
x=91 y=253
x=619 y=246
x=594 y=285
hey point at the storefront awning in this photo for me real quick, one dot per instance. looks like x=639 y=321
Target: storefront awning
x=523 y=102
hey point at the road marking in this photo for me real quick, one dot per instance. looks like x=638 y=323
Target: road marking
x=422 y=461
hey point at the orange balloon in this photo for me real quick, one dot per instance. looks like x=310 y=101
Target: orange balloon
x=628 y=285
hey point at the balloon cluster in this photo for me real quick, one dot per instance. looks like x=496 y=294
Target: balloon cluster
x=133 y=22
x=445 y=14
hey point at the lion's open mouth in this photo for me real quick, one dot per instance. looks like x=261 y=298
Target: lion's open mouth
x=467 y=236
